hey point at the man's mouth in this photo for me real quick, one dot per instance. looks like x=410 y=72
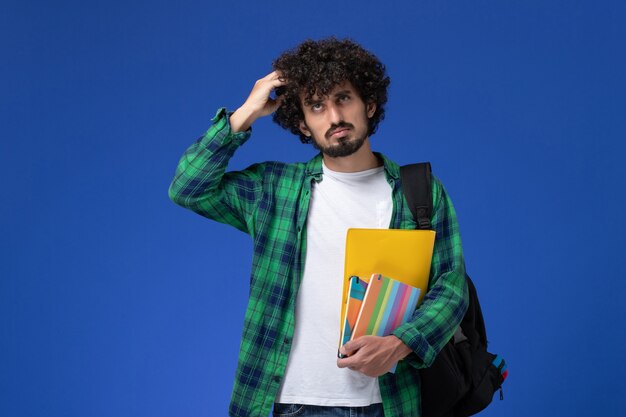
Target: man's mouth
x=339 y=132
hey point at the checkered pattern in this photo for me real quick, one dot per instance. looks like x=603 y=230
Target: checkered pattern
x=270 y=201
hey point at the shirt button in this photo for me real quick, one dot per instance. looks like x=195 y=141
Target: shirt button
x=287 y=340
x=276 y=378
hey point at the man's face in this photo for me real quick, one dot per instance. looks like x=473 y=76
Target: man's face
x=337 y=123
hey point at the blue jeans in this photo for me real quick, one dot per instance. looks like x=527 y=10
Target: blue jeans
x=299 y=410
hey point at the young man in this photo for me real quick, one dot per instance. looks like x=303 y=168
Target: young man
x=330 y=93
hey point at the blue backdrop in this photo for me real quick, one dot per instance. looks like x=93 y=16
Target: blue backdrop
x=116 y=302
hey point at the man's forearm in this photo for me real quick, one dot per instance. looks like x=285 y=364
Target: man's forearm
x=241 y=120
x=200 y=183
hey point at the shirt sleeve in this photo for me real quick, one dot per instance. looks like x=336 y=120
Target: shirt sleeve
x=202 y=184
x=446 y=301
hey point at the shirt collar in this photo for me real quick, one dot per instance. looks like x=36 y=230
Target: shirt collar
x=314 y=167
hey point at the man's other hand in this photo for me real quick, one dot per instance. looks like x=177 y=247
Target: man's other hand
x=373 y=355
x=259 y=103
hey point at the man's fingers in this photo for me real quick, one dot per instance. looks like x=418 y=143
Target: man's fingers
x=352 y=346
x=277 y=82
x=274 y=75
x=275 y=78
x=346 y=349
x=273 y=104
x=349 y=349
x=345 y=363
x=266 y=85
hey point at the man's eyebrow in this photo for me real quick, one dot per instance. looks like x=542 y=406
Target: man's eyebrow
x=343 y=93
x=311 y=101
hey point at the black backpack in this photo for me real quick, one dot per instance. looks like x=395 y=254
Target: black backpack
x=464 y=376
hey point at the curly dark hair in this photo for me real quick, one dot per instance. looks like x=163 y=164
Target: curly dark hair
x=316 y=67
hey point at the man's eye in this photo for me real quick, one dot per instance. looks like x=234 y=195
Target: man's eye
x=316 y=106
x=344 y=98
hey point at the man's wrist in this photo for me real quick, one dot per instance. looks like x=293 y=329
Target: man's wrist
x=241 y=120
x=401 y=350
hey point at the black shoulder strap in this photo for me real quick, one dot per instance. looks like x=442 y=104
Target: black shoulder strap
x=416 y=184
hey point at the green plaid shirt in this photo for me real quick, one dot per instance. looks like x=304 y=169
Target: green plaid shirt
x=270 y=201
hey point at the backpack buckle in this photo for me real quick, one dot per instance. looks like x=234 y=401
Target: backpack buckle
x=423 y=222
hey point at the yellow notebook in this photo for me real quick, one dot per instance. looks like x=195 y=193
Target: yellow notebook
x=404 y=255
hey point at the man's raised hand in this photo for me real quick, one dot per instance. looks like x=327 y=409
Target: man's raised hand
x=259 y=103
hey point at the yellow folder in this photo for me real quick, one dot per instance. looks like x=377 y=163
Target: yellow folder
x=404 y=255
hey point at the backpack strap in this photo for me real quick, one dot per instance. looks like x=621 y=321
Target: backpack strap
x=416 y=185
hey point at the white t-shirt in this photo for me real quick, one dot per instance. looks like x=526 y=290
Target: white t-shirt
x=338 y=202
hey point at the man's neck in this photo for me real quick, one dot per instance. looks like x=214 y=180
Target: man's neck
x=361 y=160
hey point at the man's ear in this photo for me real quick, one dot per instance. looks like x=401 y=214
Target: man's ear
x=371 y=109
x=304 y=129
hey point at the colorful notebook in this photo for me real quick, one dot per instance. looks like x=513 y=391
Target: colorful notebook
x=387 y=304
x=404 y=255
x=355 y=299
x=377 y=308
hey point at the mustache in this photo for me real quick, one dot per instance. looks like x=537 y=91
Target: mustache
x=333 y=128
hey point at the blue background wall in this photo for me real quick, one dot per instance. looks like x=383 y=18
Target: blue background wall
x=116 y=302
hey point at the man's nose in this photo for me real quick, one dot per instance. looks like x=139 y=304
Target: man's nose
x=334 y=114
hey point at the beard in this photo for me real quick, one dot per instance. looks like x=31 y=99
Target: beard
x=345 y=146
